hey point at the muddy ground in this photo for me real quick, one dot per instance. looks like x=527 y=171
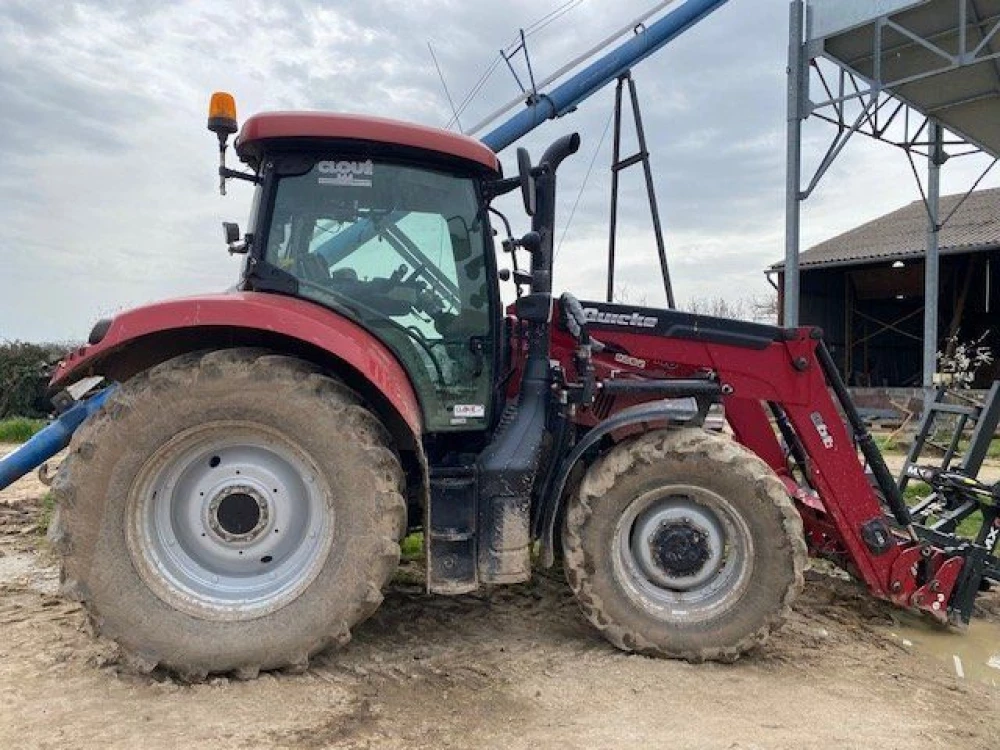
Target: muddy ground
x=517 y=668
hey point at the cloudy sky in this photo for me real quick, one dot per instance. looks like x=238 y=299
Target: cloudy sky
x=107 y=189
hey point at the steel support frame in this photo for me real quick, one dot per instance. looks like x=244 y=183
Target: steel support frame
x=932 y=262
x=879 y=110
x=617 y=165
x=798 y=97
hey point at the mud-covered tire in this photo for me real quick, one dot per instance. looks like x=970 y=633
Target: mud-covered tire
x=338 y=495
x=639 y=611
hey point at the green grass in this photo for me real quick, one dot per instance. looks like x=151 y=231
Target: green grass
x=45 y=517
x=963 y=445
x=992 y=452
x=413 y=546
x=970 y=526
x=19 y=429
x=889 y=444
x=918 y=490
x=915 y=491
x=886 y=444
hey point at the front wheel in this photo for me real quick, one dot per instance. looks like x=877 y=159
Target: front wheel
x=683 y=544
x=229 y=511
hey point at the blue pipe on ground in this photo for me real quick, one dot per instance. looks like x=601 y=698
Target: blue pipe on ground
x=50 y=440
x=567 y=95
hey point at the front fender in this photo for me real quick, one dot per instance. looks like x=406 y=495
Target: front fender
x=142 y=337
x=647 y=416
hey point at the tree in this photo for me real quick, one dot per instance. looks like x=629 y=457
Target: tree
x=758 y=309
x=23 y=381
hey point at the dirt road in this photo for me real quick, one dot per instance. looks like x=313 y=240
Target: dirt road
x=518 y=668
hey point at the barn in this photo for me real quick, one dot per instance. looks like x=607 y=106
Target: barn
x=865 y=289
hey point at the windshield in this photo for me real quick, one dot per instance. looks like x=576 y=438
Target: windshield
x=402 y=250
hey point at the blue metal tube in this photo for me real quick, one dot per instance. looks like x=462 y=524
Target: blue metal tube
x=50 y=440
x=567 y=95
x=598 y=74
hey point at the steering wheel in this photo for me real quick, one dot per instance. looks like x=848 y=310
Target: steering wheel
x=425 y=302
x=376 y=317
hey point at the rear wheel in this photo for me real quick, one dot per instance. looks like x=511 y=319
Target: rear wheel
x=683 y=544
x=229 y=512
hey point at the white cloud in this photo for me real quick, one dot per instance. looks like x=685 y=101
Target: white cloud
x=107 y=186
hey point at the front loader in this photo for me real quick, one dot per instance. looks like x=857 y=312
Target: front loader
x=236 y=499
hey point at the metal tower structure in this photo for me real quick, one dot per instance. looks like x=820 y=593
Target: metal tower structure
x=617 y=165
x=922 y=75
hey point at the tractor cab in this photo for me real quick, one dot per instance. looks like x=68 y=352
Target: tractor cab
x=384 y=223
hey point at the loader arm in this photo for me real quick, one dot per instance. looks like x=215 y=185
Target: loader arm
x=790 y=372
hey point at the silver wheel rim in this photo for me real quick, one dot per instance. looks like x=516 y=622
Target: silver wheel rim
x=682 y=553
x=229 y=521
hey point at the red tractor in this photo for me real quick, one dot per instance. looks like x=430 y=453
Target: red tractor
x=238 y=501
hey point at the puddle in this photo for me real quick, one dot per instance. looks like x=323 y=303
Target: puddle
x=973 y=655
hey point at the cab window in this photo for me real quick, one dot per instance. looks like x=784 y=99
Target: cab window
x=402 y=250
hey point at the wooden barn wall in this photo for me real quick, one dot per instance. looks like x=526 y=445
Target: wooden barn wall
x=877 y=294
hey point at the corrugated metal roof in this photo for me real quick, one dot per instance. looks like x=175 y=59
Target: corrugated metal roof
x=927 y=59
x=903 y=233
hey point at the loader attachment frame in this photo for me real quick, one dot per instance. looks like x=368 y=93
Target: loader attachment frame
x=782 y=386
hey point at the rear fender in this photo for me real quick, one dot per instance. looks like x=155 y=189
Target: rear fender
x=141 y=338
x=635 y=419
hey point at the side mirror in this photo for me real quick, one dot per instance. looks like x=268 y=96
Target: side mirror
x=527 y=181
x=231 y=230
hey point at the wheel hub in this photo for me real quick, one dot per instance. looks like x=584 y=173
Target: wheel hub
x=680 y=549
x=238 y=513
x=229 y=520
x=677 y=544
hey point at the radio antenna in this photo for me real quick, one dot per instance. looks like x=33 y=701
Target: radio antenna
x=444 y=85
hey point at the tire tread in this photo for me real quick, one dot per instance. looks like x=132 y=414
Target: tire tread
x=73 y=517
x=631 y=457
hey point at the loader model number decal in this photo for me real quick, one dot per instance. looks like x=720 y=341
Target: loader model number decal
x=821 y=428
x=346 y=173
x=628 y=320
x=625 y=359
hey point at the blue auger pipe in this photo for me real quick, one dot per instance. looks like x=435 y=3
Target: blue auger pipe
x=567 y=95
x=50 y=439
x=598 y=74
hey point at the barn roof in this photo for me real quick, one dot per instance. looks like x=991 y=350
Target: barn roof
x=902 y=234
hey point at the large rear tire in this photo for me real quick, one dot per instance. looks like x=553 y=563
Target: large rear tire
x=683 y=544
x=229 y=511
